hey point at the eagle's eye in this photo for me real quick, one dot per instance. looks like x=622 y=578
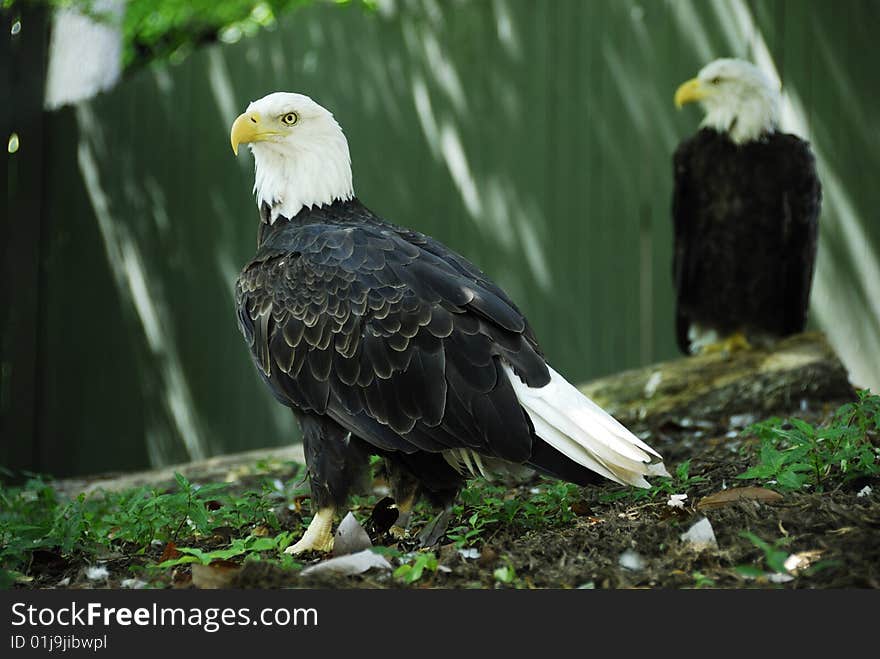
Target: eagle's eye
x=290 y=118
x=716 y=80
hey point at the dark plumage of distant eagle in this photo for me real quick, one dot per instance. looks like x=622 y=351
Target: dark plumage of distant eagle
x=384 y=341
x=746 y=213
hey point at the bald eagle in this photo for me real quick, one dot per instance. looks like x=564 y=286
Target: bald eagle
x=746 y=211
x=383 y=341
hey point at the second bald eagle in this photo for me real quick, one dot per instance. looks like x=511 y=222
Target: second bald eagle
x=746 y=212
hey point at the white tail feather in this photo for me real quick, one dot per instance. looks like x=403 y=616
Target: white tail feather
x=585 y=433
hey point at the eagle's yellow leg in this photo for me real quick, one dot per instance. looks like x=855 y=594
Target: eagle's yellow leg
x=730 y=344
x=404 y=507
x=319 y=535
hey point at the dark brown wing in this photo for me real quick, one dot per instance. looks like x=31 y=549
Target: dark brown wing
x=393 y=336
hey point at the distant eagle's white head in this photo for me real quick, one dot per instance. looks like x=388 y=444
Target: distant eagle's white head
x=738 y=99
x=300 y=153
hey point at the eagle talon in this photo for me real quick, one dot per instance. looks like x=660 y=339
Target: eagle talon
x=727 y=346
x=305 y=545
x=398 y=532
x=318 y=537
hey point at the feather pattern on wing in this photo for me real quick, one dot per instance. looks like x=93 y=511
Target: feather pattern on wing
x=411 y=348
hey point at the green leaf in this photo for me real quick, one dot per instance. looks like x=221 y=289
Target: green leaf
x=749 y=571
x=803 y=426
x=755 y=540
x=182 y=483
x=791 y=480
x=776 y=560
x=681 y=472
x=504 y=574
x=403 y=572
x=180 y=560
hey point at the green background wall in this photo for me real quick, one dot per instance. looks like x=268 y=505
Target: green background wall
x=534 y=137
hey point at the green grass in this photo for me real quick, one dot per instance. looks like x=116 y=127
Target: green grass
x=678 y=483
x=774 y=555
x=187 y=517
x=791 y=455
x=794 y=454
x=416 y=565
x=484 y=507
x=34 y=517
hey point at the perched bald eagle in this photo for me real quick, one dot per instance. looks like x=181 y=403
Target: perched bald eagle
x=746 y=212
x=384 y=341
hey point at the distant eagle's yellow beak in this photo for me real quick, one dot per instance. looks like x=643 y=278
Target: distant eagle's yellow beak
x=247 y=128
x=690 y=91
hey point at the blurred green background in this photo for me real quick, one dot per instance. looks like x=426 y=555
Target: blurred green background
x=535 y=137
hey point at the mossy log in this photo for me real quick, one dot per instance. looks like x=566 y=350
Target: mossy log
x=800 y=372
x=219 y=469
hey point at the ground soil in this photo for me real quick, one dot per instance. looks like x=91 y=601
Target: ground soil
x=836 y=534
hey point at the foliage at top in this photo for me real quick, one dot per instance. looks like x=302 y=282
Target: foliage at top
x=170 y=29
x=795 y=454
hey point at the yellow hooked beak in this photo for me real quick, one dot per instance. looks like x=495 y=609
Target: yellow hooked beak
x=691 y=91
x=247 y=128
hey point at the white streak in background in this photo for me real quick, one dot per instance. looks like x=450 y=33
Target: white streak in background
x=506 y=30
x=510 y=220
x=630 y=86
x=498 y=212
x=843 y=88
x=456 y=161
x=850 y=321
x=386 y=8
x=221 y=87
x=444 y=136
x=123 y=255
x=387 y=79
x=689 y=25
x=646 y=104
x=740 y=30
x=156 y=439
x=132 y=269
x=526 y=223
x=163 y=79
x=425 y=113
x=229 y=269
x=433 y=12
x=157 y=198
x=493 y=206
x=85 y=56
x=444 y=73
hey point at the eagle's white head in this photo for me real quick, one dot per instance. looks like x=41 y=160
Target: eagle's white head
x=738 y=99
x=300 y=153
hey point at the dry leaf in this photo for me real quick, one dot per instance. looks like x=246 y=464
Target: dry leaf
x=581 y=508
x=488 y=557
x=725 y=497
x=349 y=564
x=169 y=552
